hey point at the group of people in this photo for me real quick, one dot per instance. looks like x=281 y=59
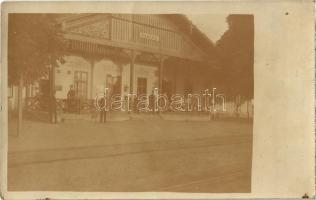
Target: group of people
x=70 y=103
x=71 y=106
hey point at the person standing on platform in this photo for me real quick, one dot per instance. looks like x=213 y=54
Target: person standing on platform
x=102 y=106
x=71 y=99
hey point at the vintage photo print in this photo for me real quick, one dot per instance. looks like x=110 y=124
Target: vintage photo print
x=130 y=102
x=147 y=102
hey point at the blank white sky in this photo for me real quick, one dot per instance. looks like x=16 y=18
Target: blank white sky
x=211 y=25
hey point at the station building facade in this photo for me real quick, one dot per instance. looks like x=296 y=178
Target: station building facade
x=132 y=54
x=129 y=54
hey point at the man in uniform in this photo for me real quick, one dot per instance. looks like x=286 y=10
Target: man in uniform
x=71 y=99
x=102 y=106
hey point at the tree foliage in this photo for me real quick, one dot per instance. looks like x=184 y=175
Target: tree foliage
x=34 y=43
x=235 y=51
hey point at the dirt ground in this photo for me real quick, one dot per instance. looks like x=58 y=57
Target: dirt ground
x=131 y=156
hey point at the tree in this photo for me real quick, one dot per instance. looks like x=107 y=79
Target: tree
x=35 y=45
x=235 y=51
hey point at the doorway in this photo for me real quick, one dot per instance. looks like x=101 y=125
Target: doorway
x=141 y=86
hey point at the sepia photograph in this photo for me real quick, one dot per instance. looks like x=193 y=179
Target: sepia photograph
x=157 y=100
x=130 y=102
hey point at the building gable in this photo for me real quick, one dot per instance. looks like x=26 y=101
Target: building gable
x=99 y=29
x=149 y=33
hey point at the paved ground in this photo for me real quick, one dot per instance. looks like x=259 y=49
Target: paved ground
x=134 y=155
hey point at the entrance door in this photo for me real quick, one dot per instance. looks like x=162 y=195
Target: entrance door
x=81 y=90
x=167 y=88
x=141 y=86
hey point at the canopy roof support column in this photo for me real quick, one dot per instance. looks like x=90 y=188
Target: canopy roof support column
x=91 y=77
x=162 y=59
x=132 y=54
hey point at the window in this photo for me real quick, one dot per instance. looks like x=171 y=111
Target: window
x=81 y=84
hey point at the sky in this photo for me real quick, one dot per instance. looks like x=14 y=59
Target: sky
x=213 y=26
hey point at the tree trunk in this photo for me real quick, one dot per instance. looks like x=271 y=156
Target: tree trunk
x=27 y=94
x=237 y=105
x=20 y=105
x=51 y=108
x=247 y=109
